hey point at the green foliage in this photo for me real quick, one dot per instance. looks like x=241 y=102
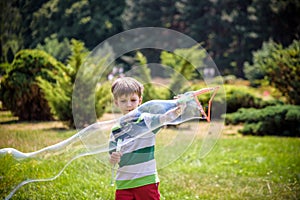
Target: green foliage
x=236 y=97
x=232 y=29
x=185 y=63
x=10 y=37
x=143 y=74
x=254 y=73
x=58 y=49
x=103 y=98
x=218 y=103
x=75 y=60
x=243 y=97
x=280 y=67
x=59 y=94
x=281 y=120
x=138 y=13
x=4 y=67
x=90 y=21
x=20 y=92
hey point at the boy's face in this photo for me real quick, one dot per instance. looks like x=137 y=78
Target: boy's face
x=127 y=103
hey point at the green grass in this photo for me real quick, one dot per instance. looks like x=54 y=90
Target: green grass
x=237 y=168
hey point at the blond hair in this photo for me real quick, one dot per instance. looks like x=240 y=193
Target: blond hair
x=125 y=86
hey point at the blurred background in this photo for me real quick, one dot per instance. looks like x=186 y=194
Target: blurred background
x=229 y=30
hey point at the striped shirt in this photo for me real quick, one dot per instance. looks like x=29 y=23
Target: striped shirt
x=137 y=166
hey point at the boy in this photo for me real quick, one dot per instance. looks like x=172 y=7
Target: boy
x=136 y=177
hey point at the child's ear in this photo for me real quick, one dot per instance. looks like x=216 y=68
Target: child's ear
x=140 y=100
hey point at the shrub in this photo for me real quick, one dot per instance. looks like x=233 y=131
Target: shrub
x=142 y=73
x=279 y=67
x=242 y=97
x=3 y=68
x=20 y=92
x=217 y=108
x=60 y=93
x=58 y=49
x=103 y=98
x=184 y=62
x=236 y=97
x=281 y=120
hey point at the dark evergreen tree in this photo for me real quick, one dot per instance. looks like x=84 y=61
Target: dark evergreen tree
x=232 y=29
x=89 y=21
x=11 y=40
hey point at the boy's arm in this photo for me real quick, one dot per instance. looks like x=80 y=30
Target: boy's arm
x=172 y=114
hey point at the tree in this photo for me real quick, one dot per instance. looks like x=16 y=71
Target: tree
x=185 y=63
x=141 y=13
x=279 y=66
x=142 y=72
x=60 y=92
x=27 y=9
x=150 y=13
x=10 y=39
x=20 y=91
x=59 y=50
x=90 y=21
x=232 y=29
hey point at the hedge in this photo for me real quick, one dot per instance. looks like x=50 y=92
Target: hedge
x=280 y=120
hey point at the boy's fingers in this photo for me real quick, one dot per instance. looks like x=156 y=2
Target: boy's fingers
x=115 y=157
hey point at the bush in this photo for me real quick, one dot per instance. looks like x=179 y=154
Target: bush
x=217 y=108
x=281 y=120
x=236 y=97
x=60 y=93
x=242 y=97
x=279 y=67
x=103 y=98
x=3 y=68
x=20 y=92
x=142 y=73
x=184 y=62
x=58 y=49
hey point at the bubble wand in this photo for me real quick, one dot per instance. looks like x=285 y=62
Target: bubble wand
x=193 y=96
x=114 y=167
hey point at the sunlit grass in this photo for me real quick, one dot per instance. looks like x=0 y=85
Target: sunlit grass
x=237 y=168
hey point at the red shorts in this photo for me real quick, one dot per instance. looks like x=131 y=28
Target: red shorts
x=146 y=192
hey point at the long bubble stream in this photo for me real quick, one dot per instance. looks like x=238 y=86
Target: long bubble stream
x=94 y=140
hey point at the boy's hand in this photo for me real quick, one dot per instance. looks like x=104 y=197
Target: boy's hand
x=177 y=96
x=115 y=157
x=180 y=109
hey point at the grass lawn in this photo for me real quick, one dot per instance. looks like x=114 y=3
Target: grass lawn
x=237 y=168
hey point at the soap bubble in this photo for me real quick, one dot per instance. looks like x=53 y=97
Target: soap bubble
x=173 y=137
